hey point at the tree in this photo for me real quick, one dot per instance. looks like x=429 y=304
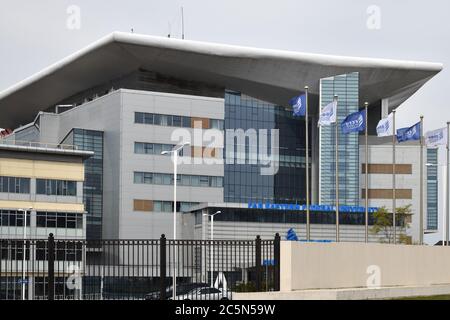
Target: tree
x=383 y=224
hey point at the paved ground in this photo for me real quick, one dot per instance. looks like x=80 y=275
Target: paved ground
x=441 y=297
x=433 y=292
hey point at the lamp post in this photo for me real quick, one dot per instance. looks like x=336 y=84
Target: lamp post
x=25 y=211
x=174 y=152
x=366 y=105
x=212 y=245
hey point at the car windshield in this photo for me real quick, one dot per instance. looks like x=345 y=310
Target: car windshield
x=194 y=291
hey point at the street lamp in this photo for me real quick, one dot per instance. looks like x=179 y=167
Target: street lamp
x=212 y=245
x=25 y=211
x=175 y=151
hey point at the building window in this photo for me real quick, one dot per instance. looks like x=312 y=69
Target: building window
x=61 y=220
x=216 y=124
x=182 y=179
x=167 y=206
x=14 y=185
x=152 y=148
x=13 y=218
x=56 y=187
x=13 y=250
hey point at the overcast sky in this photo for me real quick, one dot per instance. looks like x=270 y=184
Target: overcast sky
x=34 y=34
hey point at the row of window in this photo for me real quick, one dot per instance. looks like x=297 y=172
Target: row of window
x=182 y=179
x=172 y=120
x=167 y=206
x=43 y=186
x=64 y=251
x=161 y=206
x=289 y=217
x=12 y=218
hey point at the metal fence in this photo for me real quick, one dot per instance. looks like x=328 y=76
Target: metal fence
x=137 y=269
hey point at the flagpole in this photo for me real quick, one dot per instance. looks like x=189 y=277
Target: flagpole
x=337 y=169
x=448 y=185
x=421 y=182
x=394 y=209
x=366 y=104
x=308 y=230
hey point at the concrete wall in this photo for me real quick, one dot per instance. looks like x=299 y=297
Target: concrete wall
x=352 y=265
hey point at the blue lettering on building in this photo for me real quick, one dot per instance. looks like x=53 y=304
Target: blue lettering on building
x=313 y=207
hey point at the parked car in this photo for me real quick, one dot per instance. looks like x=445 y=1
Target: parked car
x=182 y=289
x=206 y=293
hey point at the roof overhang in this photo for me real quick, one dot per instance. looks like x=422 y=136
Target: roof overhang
x=271 y=75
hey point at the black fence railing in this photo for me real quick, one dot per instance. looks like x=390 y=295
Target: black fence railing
x=137 y=269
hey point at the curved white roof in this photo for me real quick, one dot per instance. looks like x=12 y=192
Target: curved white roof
x=272 y=75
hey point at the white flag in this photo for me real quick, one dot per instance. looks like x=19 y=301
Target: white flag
x=385 y=127
x=328 y=114
x=436 y=138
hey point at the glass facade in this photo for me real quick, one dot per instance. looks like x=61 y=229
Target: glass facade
x=91 y=140
x=287 y=217
x=346 y=87
x=432 y=189
x=244 y=182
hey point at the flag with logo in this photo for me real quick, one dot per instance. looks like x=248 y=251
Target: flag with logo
x=436 y=138
x=299 y=105
x=411 y=133
x=328 y=114
x=354 y=122
x=385 y=126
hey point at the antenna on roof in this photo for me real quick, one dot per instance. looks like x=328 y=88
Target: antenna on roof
x=182 y=23
x=170 y=30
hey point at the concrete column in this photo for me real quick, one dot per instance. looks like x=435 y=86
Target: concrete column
x=33 y=189
x=33 y=230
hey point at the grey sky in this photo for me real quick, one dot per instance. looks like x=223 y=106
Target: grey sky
x=33 y=34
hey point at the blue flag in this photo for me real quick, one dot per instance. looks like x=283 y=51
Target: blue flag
x=411 y=133
x=354 y=122
x=291 y=235
x=299 y=105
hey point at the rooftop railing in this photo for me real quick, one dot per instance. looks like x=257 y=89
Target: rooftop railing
x=32 y=144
